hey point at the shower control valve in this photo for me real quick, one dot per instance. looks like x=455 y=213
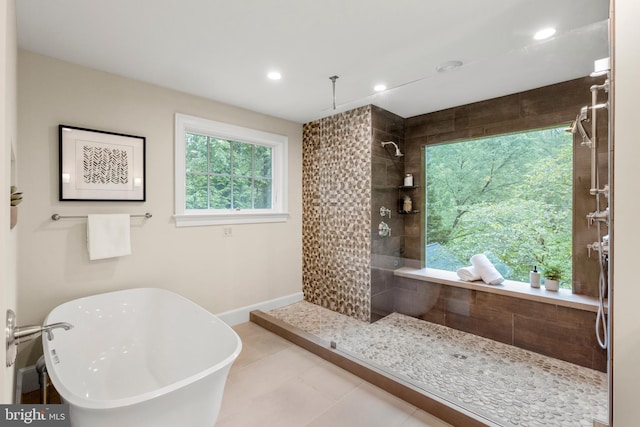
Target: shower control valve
x=604 y=190
x=385 y=211
x=384 y=230
x=600 y=247
x=598 y=216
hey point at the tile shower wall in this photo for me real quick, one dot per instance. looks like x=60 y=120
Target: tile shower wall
x=348 y=267
x=560 y=332
x=347 y=177
x=387 y=175
x=538 y=108
x=336 y=216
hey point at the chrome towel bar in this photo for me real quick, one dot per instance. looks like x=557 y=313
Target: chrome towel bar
x=57 y=217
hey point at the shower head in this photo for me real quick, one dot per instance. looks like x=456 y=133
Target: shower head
x=398 y=153
x=577 y=126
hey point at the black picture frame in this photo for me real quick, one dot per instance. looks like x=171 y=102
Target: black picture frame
x=97 y=165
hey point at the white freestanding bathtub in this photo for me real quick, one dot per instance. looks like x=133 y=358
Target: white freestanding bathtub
x=140 y=357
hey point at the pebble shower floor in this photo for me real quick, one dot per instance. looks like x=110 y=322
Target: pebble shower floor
x=507 y=385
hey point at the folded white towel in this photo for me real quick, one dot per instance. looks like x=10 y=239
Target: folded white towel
x=468 y=274
x=108 y=236
x=486 y=270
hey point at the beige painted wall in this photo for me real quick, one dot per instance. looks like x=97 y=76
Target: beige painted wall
x=257 y=263
x=8 y=139
x=626 y=237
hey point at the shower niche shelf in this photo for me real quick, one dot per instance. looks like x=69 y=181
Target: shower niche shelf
x=401 y=191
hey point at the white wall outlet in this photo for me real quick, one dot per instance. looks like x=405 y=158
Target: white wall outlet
x=228 y=232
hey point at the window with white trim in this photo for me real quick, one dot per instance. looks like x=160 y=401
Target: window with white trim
x=227 y=174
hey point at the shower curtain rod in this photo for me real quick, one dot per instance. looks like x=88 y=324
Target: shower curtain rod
x=57 y=217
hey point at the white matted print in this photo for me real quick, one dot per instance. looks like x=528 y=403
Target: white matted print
x=100 y=165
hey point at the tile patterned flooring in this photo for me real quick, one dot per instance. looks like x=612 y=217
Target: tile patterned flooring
x=276 y=383
x=505 y=384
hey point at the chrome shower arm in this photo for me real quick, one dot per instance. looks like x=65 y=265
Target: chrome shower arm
x=398 y=152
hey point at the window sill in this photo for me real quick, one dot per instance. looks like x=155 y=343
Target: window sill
x=202 y=219
x=562 y=297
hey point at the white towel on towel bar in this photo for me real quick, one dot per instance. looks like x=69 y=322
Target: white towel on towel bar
x=468 y=274
x=108 y=236
x=487 y=271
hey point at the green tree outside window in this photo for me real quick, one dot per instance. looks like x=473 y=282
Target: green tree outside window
x=223 y=174
x=509 y=196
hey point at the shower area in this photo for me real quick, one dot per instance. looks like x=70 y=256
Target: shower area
x=477 y=357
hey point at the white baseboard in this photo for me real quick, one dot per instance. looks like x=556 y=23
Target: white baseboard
x=241 y=315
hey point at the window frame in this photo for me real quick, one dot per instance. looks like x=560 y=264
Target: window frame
x=198 y=217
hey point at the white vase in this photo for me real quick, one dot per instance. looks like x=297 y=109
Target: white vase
x=551 y=284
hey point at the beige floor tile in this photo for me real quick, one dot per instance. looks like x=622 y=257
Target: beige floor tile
x=278 y=384
x=257 y=343
x=265 y=375
x=367 y=406
x=421 y=418
x=332 y=381
x=294 y=403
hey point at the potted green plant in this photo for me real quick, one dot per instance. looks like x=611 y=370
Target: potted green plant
x=552 y=276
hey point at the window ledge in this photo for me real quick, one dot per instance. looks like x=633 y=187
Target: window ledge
x=563 y=297
x=200 y=219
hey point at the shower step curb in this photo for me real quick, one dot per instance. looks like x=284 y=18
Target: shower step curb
x=403 y=390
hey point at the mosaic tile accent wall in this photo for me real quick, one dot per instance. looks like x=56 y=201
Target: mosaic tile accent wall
x=336 y=220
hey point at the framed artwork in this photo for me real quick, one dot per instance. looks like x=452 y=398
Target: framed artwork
x=97 y=165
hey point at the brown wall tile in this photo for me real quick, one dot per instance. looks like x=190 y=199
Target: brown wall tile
x=518 y=306
x=552 y=339
x=485 y=322
x=546 y=106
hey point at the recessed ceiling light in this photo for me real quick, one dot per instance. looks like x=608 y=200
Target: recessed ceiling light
x=544 y=33
x=448 y=66
x=274 y=75
x=380 y=87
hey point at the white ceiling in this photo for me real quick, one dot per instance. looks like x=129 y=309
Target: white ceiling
x=223 y=49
